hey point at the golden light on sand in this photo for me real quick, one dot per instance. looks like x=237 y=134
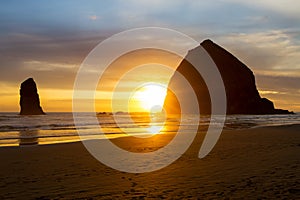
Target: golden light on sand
x=150 y=97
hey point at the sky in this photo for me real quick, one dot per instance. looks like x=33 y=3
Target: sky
x=48 y=40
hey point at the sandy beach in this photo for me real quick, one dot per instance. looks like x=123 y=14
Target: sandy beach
x=257 y=163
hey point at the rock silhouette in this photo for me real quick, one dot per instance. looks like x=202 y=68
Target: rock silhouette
x=29 y=99
x=239 y=81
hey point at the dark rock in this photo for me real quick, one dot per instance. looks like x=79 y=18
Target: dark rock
x=239 y=81
x=29 y=99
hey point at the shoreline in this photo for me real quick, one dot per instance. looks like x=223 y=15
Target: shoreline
x=250 y=163
x=116 y=136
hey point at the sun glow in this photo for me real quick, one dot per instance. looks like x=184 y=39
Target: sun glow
x=150 y=97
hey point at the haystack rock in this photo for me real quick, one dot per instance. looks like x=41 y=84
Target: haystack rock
x=29 y=99
x=239 y=81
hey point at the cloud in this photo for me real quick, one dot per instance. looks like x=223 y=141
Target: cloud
x=275 y=52
x=51 y=58
x=258 y=19
x=35 y=65
x=93 y=17
x=265 y=92
x=282 y=90
x=281 y=84
x=287 y=7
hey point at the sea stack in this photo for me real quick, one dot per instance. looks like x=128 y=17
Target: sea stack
x=29 y=99
x=239 y=81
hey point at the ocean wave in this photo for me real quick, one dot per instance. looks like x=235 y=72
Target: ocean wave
x=58 y=126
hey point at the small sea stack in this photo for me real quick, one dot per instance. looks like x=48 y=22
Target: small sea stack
x=29 y=99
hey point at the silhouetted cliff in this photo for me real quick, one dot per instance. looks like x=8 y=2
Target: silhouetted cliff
x=29 y=99
x=239 y=81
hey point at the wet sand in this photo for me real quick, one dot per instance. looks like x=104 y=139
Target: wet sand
x=257 y=163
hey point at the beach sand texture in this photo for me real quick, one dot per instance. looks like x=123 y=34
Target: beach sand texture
x=257 y=163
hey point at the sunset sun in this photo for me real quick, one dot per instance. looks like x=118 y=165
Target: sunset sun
x=150 y=97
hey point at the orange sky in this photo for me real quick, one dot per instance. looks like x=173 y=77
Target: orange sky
x=121 y=78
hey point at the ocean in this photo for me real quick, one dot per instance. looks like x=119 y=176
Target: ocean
x=16 y=130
